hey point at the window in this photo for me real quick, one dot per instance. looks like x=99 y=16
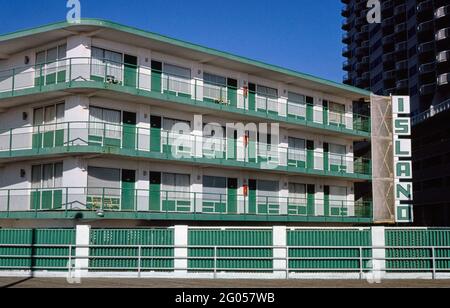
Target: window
x=336 y=113
x=176 y=79
x=52 y=57
x=47 y=176
x=297 y=149
x=267 y=188
x=215 y=87
x=215 y=188
x=103 y=181
x=338 y=197
x=267 y=98
x=176 y=186
x=338 y=155
x=106 y=62
x=47 y=118
x=297 y=193
x=296 y=105
x=104 y=122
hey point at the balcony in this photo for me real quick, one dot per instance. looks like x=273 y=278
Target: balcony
x=442 y=12
x=400 y=29
x=426 y=48
x=400 y=9
x=443 y=57
x=347 y=79
x=425 y=7
x=346 y=11
x=443 y=34
x=402 y=86
x=389 y=75
x=347 y=66
x=346 y=52
x=346 y=38
x=361 y=36
x=427 y=89
x=140 y=81
x=346 y=25
x=362 y=67
x=400 y=47
x=362 y=51
x=401 y=66
x=176 y=204
x=444 y=80
x=424 y=27
x=428 y=68
x=71 y=138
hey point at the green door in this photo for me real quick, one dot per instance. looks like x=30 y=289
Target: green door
x=252 y=196
x=155 y=134
x=232 y=196
x=326 y=156
x=325 y=112
x=156 y=76
x=251 y=96
x=232 y=146
x=232 y=92
x=326 y=201
x=310 y=109
x=310 y=154
x=128 y=190
x=311 y=191
x=130 y=71
x=129 y=130
x=155 y=192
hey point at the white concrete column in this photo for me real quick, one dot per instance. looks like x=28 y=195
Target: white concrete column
x=320 y=199
x=284 y=195
x=181 y=251
x=280 y=252
x=82 y=240
x=349 y=115
x=318 y=153
x=242 y=82
x=378 y=252
x=282 y=100
x=77 y=114
x=197 y=136
x=74 y=182
x=351 y=198
x=283 y=147
x=349 y=159
x=143 y=128
x=197 y=189
x=144 y=71
x=318 y=110
x=79 y=51
x=197 y=81
x=143 y=187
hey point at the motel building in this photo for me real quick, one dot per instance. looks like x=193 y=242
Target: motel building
x=120 y=127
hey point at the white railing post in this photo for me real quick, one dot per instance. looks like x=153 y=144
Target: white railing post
x=181 y=251
x=279 y=252
x=82 y=241
x=378 y=252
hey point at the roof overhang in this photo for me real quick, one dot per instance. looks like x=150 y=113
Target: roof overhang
x=19 y=41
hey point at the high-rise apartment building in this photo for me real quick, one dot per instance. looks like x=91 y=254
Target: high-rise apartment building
x=409 y=54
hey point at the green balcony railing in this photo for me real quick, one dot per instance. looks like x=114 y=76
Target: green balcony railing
x=77 y=71
x=129 y=140
x=116 y=200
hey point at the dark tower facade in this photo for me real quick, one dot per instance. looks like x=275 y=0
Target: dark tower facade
x=408 y=53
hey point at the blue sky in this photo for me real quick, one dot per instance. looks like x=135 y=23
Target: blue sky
x=303 y=35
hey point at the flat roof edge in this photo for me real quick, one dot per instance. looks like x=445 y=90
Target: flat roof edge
x=184 y=44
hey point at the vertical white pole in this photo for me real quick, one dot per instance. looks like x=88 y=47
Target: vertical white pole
x=378 y=253
x=280 y=252
x=181 y=251
x=82 y=251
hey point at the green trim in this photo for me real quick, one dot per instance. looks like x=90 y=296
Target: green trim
x=85 y=215
x=182 y=44
x=180 y=100
x=98 y=149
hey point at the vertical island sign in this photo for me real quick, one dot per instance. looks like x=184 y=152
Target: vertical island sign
x=402 y=159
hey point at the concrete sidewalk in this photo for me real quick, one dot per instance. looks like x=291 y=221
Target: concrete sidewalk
x=178 y=283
